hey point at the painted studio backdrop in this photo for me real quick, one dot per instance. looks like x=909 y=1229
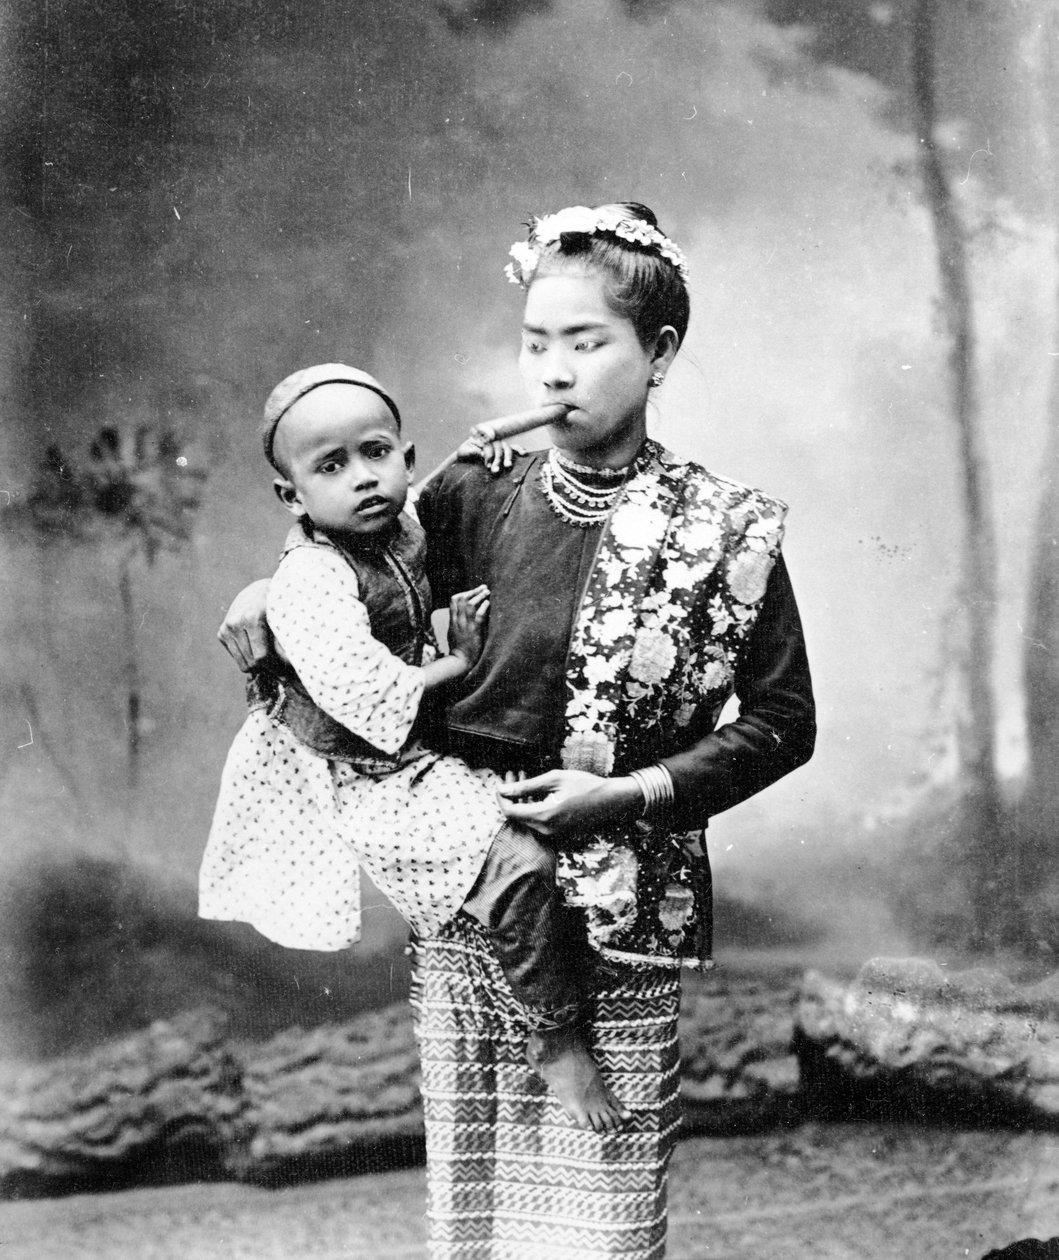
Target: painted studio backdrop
x=200 y=198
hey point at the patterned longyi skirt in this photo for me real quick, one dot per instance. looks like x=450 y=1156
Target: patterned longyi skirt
x=509 y=1176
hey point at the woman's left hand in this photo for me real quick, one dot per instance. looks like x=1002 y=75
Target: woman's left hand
x=561 y=801
x=497 y=455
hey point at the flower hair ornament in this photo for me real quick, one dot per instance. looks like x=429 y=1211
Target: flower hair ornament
x=547 y=231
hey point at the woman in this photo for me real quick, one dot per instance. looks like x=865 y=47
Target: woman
x=632 y=594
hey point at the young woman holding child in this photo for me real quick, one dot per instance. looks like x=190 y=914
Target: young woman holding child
x=632 y=593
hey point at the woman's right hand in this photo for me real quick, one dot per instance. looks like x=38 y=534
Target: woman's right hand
x=562 y=802
x=467 y=613
x=244 y=633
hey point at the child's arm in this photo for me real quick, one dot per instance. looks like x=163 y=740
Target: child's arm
x=315 y=612
x=468 y=611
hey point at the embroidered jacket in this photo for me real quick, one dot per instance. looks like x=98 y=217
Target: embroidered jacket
x=681 y=571
x=684 y=601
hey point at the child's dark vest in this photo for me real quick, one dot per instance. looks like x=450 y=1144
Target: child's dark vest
x=392 y=583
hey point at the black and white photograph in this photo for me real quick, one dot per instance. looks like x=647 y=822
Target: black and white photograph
x=529 y=630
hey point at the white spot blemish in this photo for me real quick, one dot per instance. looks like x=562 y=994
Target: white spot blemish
x=971 y=159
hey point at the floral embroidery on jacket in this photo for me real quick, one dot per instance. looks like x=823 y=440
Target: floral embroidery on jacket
x=675 y=590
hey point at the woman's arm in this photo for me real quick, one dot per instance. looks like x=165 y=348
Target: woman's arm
x=773 y=735
x=244 y=632
x=775 y=731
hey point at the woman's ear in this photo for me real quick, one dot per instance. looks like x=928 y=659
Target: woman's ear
x=288 y=496
x=667 y=343
x=409 y=451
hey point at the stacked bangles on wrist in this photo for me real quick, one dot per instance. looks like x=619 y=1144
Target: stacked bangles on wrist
x=656 y=784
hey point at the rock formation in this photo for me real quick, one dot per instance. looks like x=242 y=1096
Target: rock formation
x=181 y=1101
x=907 y=1040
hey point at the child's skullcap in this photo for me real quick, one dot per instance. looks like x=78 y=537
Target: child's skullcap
x=298 y=384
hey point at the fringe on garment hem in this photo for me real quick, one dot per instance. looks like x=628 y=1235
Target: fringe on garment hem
x=629 y=959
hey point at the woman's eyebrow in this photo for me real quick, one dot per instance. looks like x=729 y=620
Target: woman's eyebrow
x=570 y=330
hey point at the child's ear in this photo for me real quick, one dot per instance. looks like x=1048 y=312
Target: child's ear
x=409 y=451
x=288 y=496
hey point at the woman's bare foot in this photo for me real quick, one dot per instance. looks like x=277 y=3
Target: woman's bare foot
x=570 y=1072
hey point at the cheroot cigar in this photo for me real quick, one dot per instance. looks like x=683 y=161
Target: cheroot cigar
x=504 y=427
x=520 y=422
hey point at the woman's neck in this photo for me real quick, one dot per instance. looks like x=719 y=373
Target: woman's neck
x=618 y=451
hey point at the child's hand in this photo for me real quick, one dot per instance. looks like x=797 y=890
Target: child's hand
x=467 y=613
x=496 y=456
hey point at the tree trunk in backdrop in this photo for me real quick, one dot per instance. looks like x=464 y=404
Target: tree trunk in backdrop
x=1039 y=808
x=981 y=824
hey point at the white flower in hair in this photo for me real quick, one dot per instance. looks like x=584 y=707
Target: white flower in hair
x=675 y=256
x=525 y=264
x=550 y=228
x=573 y=219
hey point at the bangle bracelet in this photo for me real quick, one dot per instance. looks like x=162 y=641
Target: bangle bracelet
x=656 y=784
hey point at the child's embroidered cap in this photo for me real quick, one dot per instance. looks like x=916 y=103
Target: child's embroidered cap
x=299 y=383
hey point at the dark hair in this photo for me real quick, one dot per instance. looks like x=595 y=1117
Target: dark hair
x=641 y=285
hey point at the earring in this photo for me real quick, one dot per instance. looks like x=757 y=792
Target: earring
x=656 y=379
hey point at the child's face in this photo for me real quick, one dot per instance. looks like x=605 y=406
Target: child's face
x=347 y=469
x=576 y=349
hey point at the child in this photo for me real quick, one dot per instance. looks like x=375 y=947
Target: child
x=330 y=769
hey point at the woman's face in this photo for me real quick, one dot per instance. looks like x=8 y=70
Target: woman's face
x=576 y=350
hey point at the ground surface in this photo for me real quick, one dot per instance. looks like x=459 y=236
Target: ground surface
x=818 y=1192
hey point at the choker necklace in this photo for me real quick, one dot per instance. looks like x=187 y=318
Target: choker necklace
x=577 y=494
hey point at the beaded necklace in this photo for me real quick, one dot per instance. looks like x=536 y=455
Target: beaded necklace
x=577 y=494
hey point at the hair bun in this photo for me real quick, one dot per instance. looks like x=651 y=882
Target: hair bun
x=633 y=210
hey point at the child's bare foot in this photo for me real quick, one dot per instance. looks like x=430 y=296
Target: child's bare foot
x=568 y=1069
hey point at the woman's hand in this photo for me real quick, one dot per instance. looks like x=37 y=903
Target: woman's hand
x=467 y=613
x=496 y=456
x=244 y=633
x=562 y=801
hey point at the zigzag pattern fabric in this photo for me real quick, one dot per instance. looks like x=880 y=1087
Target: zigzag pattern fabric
x=509 y=1177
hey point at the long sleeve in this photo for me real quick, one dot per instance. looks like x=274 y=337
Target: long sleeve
x=315 y=612
x=776 y=728
x=446 y=557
